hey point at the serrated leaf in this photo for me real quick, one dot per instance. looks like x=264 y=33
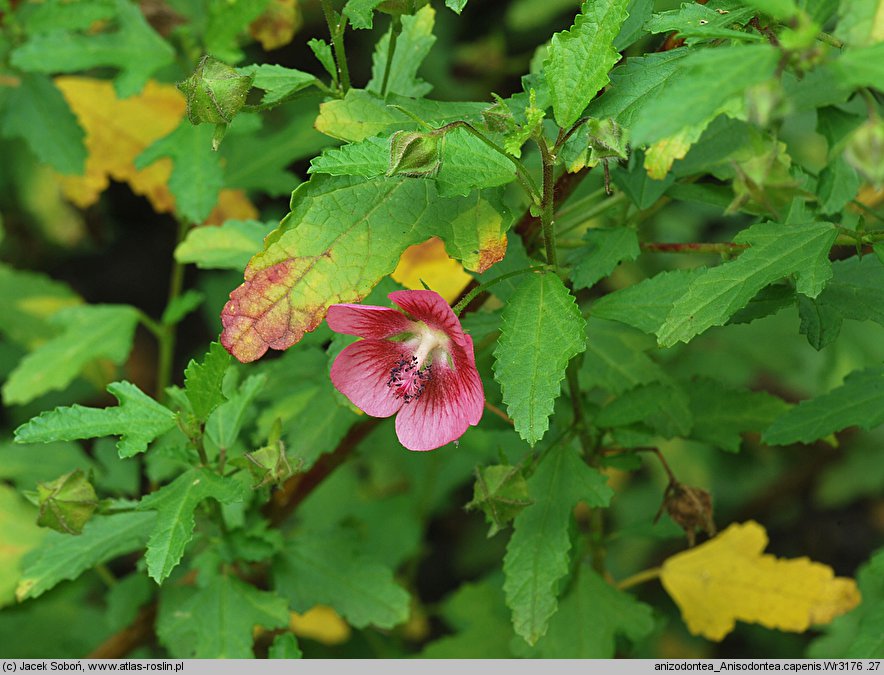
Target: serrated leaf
x=412 y=47
x=362 y=114
x=223 y=425
x=133 y=47
x=776 y=251
x=693 y=21
x=175 y=505
x=646 y=304
x=705 y=82
x=467 y=163
x=853 y=293
x=18 y=535
x=278 y=82
x=537 y=553
x=28 y=300
x=579 y=59
x=541 y=331
x=137 y=420
x=361 y=12
x=342 y=236
x=218 y=620
x=88 y=332
x=323 y=52
x=117 y=130
x=857 y=402
x=589 y=619
x=36 y=111
x=636 y=84
x=62 y=556
x=604 y=250
x=728 y=578
x=197 y=176
x=615 y=358
x=722 y=414
x=663 y=407
x=326 y=568
x=202 y=381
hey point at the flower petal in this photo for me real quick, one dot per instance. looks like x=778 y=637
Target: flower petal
x=452 y=401
x=431 y=308
x=367 y=321
x=361 y=372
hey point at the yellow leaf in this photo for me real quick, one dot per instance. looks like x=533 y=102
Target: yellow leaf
x=232 y=205
x=729 y=578
x=117 y=131
x=430 y=262
x=18 y=535
x=321 y=623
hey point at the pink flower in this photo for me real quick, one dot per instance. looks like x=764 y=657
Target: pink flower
x=419 y=364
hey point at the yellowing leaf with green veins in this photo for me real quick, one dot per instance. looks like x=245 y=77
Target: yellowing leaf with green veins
x=343 y=235
x=18 y=535
x=729 y=578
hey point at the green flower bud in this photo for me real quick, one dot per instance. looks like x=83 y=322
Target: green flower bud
x=865 y=151
x=606 y=141
x=215 y=92
x=66 y=503
x=416 y=153
x=500 y=492
x=498 y=117
x=269 y=465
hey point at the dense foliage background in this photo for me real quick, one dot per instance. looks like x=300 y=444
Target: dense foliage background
x=687 y=342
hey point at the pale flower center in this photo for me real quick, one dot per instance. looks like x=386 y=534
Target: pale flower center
x=409 y=377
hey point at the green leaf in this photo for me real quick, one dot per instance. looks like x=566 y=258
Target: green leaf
x=636 y=84
x=722 y=414
x=62 y=556
x=226 y=420
x=589 y=619
x=857 y=402
x=541 y=330
x=839 y=183
x=285 y=646
x=226 y=22
x=88 y=333
x=693 y=21
x=412 y=47
x=58 y=14
x=37 y=112
x=662 y=407
x=645 y=305
x=133 y=47
x=27 y=302
x=181 y=306
x=537 y=554
x=579 y=59
x=197 y=176
x=604 y=250
x=326 y=568
x=705 y=82
x=278 y=82
x=638 y=13
x=361 y=12
x=25 y=467
x=853 y=293
x=362 y=114
x=643 y=190
x=778 y=9
x=860 y=22
x=467 y=163
x=18 y=535
x=777 y=251
x=325 y=252
x=202 y=381
x=456 y=6
x=137 y=420
x=217 y=621
x=323 y=52
x=615 y=358
x=260 y=161
x=175 y=504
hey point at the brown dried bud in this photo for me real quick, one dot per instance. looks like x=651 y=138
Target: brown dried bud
x=690 y=508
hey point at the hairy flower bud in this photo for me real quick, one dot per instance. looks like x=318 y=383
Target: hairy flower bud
x=66 y=503
x=501 y=493
x=215 y=92
x=415 y=153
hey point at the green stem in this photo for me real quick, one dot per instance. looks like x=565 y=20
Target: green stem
x=692 y=247
x=830 y=40
x=106 y=575
x=640 y=578
x=395 y=29
x=565 y=135
x=168 y=333
x=871 y=102
x=468 y=298
x=547 y=202
x=594 y=212
x=336 y=31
